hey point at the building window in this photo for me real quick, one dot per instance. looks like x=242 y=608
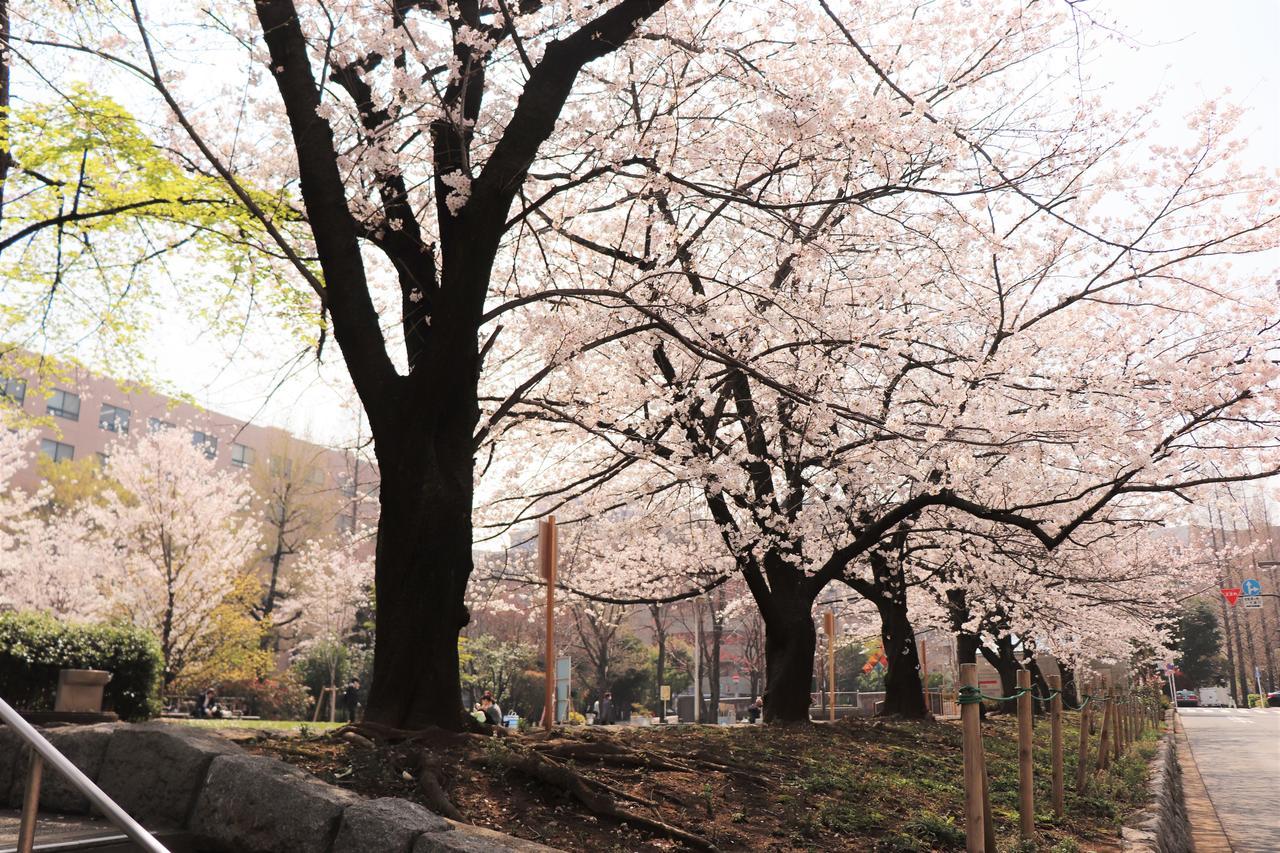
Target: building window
x=56 y=450
x=281 y=466
x=155 y=424
x=114 y=419
x=14 y=389
x=241 y=455
x=208 y=443
x=348 y=487
x=315 y=476
x=64 y=404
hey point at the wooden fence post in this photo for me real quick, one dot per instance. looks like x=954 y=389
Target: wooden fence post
x=1055 y=739
x=1026 y=777
x=1116 y=747
x=1082 y=759
x=971 y=725
x=1104 y=736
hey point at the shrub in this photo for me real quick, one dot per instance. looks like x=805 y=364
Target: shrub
x=281 y=697
x=35 y=646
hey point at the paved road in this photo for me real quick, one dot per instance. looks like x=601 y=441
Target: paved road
x=1238 y=753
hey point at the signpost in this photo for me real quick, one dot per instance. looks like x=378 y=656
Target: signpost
x=1253 y=602
x=547 y=563
x=1250 y=588
x=1231 y=594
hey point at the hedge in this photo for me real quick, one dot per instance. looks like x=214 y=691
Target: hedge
x=34 y=646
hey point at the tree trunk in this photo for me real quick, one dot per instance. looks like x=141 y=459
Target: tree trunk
x=423 y=564
x=790 y=642
x=1007 y=666
x=660 y=635
x=903 y=689
x=1070 y=693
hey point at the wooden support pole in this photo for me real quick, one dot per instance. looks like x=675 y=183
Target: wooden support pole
x=829 y=622
x=924 y=677
x=1026 y=777
x=30 y=804
x=971 y=726
x=547 y=557
x=1115 y=726
x=1104 y=737
x=1055 y=740
x=1082 y=759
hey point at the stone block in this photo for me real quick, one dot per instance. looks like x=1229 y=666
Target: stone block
x=13 y=767
x=465 y=838
x=254 y=804
x=155 y=770
x=86 y=747
x=386 y=825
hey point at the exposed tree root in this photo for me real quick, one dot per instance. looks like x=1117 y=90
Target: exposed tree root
x=433 y=792
x=596 y=796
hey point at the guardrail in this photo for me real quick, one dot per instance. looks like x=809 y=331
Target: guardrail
x=42 y=751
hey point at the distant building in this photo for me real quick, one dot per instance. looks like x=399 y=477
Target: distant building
x=83 y=414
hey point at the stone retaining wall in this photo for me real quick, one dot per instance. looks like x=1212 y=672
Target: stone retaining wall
x=176 y=777
x=1163 y=826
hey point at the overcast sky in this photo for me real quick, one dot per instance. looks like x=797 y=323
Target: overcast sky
x=1191 y=49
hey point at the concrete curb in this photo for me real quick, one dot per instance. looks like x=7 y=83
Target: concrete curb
x=259 y=804
x=1162 y=827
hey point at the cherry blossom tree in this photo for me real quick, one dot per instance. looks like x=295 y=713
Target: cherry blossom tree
x=876 y=261
x=174 y=537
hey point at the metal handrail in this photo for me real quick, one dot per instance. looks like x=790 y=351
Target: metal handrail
x=48 y=752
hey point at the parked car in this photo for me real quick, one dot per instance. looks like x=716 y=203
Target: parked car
x=1215 y=697
x=1273 y=699
x=1188 y=699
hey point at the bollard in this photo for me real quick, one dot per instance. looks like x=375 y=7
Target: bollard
x=971 y=725
x=1026 y=778
x=1055 y=739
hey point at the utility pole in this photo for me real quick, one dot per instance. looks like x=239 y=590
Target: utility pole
x=1226 y=616
x=697 y=662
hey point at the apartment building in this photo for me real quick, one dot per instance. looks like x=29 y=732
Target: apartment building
x=81 y=414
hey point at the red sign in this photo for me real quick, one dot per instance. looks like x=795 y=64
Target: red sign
x=1231 y=594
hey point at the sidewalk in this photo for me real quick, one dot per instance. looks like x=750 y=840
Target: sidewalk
x=1206 y=827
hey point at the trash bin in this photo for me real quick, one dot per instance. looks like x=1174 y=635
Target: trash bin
x=80 y=690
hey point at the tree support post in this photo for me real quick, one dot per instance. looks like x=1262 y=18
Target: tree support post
x=1055 y=739
x=1082 y=758
x=1026 y=777
x=971 y=725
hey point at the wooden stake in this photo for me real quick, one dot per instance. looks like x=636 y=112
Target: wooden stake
x=924 y=677
x=971 y=726
x=829 y=622
x=1115 y=728
x=1026 y=778
x=1055 y=739
x=1082 y=759
x=547 y=558
x=1104 y=737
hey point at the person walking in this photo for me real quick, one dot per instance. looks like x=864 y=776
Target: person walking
x=606 y=716
x=351 y=699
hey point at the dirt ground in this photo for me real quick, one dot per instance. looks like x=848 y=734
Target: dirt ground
x=856 y=785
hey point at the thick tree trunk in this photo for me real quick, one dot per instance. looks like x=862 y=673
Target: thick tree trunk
x=790 y=642
x=1070 y=693
x=903 y=689
x=423 y=565
x=1007 y=666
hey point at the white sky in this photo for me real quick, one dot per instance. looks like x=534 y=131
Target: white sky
x=1191 y=49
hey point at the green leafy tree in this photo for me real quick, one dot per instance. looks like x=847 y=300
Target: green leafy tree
x=1198 y=642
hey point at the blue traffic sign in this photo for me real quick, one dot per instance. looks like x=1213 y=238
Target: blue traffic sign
x=1250 y=588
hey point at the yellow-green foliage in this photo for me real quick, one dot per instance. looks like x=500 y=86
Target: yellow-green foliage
x=97 y=211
